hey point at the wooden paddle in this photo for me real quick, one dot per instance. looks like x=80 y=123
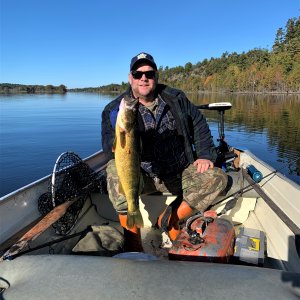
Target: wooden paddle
x=54 y=215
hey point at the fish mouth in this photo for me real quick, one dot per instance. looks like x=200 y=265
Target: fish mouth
x=130 y=103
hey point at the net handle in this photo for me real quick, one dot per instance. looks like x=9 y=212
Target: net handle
x=54 y=172
x=53 y=176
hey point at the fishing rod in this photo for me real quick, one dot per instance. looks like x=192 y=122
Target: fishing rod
x=81 y=233
x=244 y=189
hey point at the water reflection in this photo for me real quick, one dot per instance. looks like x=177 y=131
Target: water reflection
x=35 y=129
x=273 y=119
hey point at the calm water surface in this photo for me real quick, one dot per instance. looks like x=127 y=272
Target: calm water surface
x=36 y=129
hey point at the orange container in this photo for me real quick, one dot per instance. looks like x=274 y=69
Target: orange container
x=204 y=239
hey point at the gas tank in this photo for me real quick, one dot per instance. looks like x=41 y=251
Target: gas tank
x=204 y=238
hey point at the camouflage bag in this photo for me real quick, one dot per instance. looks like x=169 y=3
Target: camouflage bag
x=104 y=240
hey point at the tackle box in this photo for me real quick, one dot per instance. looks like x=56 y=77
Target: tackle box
x=249 y=247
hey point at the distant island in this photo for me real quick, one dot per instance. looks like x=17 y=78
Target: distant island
x=11 y=88
x=256 y=71
x=110 y=88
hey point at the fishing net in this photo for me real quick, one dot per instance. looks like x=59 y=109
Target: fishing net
x=72 y=180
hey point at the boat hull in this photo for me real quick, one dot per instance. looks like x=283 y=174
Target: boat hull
x=82 y=277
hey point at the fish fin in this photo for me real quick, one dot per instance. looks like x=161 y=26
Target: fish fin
x=141 y=185
x=121 y=129
x=123 y=139
x=134 y=218
x=114 y=145
x=121 y=190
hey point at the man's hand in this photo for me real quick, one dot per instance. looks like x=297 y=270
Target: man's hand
x=203 y=165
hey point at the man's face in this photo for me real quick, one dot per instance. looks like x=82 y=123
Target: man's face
x=144 y=86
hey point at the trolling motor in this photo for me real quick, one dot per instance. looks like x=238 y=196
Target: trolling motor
x=225 y=154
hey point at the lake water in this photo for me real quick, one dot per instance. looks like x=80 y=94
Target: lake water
x=36 y=129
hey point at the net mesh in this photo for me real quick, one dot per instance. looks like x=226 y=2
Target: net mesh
x=72 y=180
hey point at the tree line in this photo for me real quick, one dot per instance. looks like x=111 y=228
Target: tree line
x=10 y=88
x=258 y=70
x=111 y=88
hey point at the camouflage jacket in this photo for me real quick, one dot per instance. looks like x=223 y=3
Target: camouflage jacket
x=190 y=123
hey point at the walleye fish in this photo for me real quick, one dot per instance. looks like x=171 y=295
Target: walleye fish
x=127 y=157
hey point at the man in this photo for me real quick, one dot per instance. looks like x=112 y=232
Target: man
x=178 y=152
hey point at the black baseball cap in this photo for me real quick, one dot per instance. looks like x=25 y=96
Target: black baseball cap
x=143 y=57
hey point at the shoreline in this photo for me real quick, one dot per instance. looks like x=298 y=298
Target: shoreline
x=187 y=92
x=249 y=92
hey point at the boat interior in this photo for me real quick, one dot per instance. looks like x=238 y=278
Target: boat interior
x=90 y=254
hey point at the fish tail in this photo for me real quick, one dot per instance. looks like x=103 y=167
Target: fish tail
x=135 y=218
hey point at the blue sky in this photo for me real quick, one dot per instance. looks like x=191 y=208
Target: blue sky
x=90 y=43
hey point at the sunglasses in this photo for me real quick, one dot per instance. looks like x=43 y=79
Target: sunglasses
x=139 y=74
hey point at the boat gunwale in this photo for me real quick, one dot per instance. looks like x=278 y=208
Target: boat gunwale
x=8 y=196
x=276 y=171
